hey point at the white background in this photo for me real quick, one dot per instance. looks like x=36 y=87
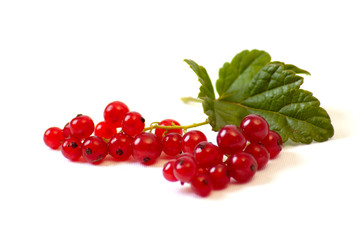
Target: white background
x=61 y=58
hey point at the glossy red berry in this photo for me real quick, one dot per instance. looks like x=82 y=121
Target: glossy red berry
x=207 y=155
x=191 y=139
x=167 y=122
x=114 y=113
x=66 y=131
x=105 y=130
x=184 y=169
x=147 y=147
x=254 y=127
x=120 y=146
x=259 y=152
x=71 y=149
x=53 y=137
x=273 y=143
x=230 y=139
x=172 y=144
x=168 y=171
x=220 y=176
x=81 y=126
x=201 y=184
x=242 y=166
x=94 y=149
x=133 y=123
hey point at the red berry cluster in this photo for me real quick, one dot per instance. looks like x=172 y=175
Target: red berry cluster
x=247 y=148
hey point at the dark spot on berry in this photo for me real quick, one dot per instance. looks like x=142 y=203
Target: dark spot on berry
x=79 y=115
x=142 y=119
x=261 y=144
x=181 y=162
x=205 y=181
x=119 y=152
x=73 y=144
x=88 y=151
x=202 y=145
x=145 y=160
x=253 y=168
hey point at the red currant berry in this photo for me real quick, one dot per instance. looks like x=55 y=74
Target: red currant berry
x=71 y=149
x=231 y=140
x=81 y=126
x=220 y=176
x=260 y=153
x=147 y=148
x=273 y=143
x=53 y=137
x=66 y=131
x=254 y=127
x=207 y=154
x=120 y=146
x=201 y=184
x=172 y=144
x=191 y=139
x=94 y=149
x=105 y=130
x=184 y=169
x=133 y=123
x=167 y=122
x=168 y=171
x=114 y=113
x=242 y=166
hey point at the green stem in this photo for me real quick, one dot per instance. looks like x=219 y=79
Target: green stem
x=185 y=127
x=188 y=100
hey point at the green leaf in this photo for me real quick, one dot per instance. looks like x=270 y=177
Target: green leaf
x=272 y=92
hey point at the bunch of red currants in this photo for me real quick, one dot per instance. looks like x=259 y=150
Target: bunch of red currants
x=195 y=160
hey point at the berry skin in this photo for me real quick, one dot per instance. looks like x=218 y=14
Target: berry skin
x=94 y=149
x=81 y=126
x=273 y=143
x=168 y=171
x=230 y=139
x=147 y=148
x=172 y=144
x=133 y=123
x=207 y=154
x=66 y=131
x=71 y=149
x=201 y=184
x=242 y=166
x=184 y=169
x=259 y=152
x=105 y=130
x=191 y=139
x=254 y=128
x=120 y=146
x=167 y=122
x=53 y=137
x=220 y=176
x=114 y=113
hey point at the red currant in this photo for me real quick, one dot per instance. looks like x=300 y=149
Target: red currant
x=53 y=137
x=254 y=127
x=147 y=147
x=184 y=169
x=242 y=166
x=114 y=113
x=201 y=184
x=133 y=123
x=66 y=131
x=167 y=122
x=230 y=139
x=191 y=139
x=207 y=154
x=220 y=176
x=81 y=126
x=120 y=146
x=273 y=143
x=260 y=153
x=105 y=130
x=71 y=149
x=168 y=171
x=172 y=144
x=94 y=149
